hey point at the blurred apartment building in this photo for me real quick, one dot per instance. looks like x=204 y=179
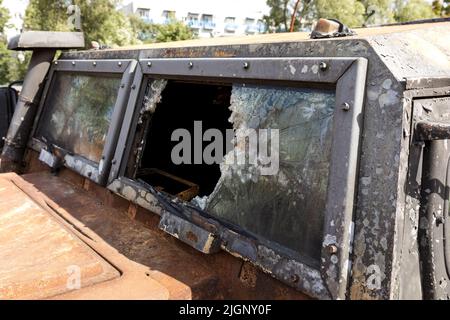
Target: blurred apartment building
x=207 y=18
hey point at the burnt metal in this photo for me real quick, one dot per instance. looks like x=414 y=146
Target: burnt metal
x=25 y=111
x=8 y=99
x=280 y=69
x=427 y=82
x=434 y=213
x=348 y=75
x=31 y=40
x=342 y=31
x=97 y=172
x=429 y=130
x=384 y=262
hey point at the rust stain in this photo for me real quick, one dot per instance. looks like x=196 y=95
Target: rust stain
x=39 y=258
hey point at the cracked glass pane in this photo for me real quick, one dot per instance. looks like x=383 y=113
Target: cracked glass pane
x=78 y=112
x=286 y=206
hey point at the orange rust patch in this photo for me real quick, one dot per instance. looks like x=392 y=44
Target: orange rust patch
x=39 y=257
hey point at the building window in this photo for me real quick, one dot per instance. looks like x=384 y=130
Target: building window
x=261 y=26
x=192 y=20
x=207 y=22
x=230 y=24
x=250 y=26
x=144 y=14
x=168 y=16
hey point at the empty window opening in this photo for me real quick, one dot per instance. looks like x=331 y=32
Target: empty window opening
x=182 y=104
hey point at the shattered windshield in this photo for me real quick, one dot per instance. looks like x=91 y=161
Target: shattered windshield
x=285 y=205
x=78 y=112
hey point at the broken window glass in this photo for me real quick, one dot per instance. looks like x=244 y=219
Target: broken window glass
x=78 y=112
x=286 y=206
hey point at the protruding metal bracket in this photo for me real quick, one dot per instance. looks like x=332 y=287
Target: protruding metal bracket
x=430 y=130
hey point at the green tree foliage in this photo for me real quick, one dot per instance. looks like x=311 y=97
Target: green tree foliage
x=11 y=67
x=100 y=19
x=173 y=31
x=150 y=32
x=4 y=54
x=378 y=12
x=349 y=12
x=441 y=8
x=102 y=22
x=414 y=10
x=354 y=13
x=279 y=15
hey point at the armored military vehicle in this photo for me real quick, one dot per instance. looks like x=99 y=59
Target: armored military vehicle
x=355 y=205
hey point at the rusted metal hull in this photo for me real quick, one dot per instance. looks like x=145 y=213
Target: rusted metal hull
x=145 y=262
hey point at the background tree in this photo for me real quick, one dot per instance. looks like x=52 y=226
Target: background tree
x=11 y=67
x=441 y=8
x=100 y=19
x=349 y=12
x=279 y=15
x=4 y=54
x=354 y=13
x=378 y=12
x=411 y=10
x=173 y=31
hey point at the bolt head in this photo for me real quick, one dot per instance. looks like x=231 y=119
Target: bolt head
x=345 y=106
x=73 y=63
x=149 y=64
x=191 y=64
x=323 y=66
x=94 y=63
x=246 y=65
x=119 y=64
x=332 y=249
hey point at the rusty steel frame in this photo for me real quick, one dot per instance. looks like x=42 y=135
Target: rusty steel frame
x=348 y=76
x=97 y=172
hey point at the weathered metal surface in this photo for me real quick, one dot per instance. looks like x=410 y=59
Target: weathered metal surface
x=189 y=233
x=31 y=40
x=429 y=130
x=25 y=111
x=385 y=261
x=153 y=264
x=433 y=129
x=39 y=257
x=386 y=210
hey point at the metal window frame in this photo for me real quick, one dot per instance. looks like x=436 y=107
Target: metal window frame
x=348 y=76
x=97 y=172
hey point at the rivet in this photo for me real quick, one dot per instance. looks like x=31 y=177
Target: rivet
x=246 y=65
x=94 y=63
x=323 y=66
x=56 y=62
x=345 y=106
x=332 y=249
x=73 y=63
x=119 y=63
x=114 y=162
x=149 y=64
x=122 y=85
x=191 y=64
x=89 y=174
x=133 y=86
